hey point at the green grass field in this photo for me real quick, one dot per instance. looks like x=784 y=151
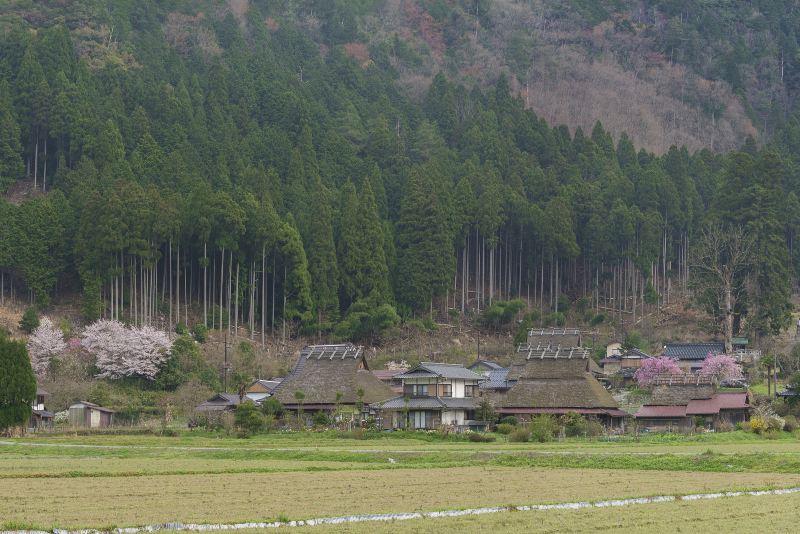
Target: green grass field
x=100 y=481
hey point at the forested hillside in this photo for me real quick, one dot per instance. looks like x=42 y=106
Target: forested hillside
x=265 y=165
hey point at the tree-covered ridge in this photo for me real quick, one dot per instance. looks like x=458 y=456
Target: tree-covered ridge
x=241 y=171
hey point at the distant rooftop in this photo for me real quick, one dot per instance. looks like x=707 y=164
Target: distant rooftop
x=693 y=351
x=341 y=351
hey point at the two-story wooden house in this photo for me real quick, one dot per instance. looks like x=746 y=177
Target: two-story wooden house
x=434 y=395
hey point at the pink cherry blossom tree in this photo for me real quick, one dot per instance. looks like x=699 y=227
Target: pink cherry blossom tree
x=45 y=343
x=122 y=351
x=719 y=367
x=653 y=368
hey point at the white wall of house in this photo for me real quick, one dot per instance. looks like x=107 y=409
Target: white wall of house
x=456 y=417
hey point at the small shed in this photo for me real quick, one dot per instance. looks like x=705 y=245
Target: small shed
x=90 y=415
x=221 y=402
x=41 y=417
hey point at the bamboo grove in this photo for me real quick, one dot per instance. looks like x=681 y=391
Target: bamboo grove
x=277 y=183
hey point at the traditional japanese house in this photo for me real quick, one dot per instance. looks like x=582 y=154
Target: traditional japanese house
x=484 y=367
x=261 y=389
x=684 y=402
x=331 y=377
x=554 y=380
x=40 y=417
x=221 y=402
x=624 y=364
x=434 y=395
x=90 y=415
x=690 y=356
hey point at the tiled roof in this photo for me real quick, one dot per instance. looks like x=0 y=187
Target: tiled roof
x=441 y=370
x=661 y=411
x=486 y=363
x=720 y=401
x=427 y=403
x=635 y=354
x=692 y=351
x=95 y=406
x=387 y=374
x=497 y=379
x=40 y=391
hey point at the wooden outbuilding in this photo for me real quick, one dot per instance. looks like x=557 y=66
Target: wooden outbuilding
x=88 y=414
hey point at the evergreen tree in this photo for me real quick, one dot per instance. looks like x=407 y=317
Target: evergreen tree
x=17 y=384
x=424 y=247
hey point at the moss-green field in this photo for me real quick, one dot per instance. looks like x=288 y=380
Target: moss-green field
x=102 y=481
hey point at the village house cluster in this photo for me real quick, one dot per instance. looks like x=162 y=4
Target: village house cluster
x=552 y=373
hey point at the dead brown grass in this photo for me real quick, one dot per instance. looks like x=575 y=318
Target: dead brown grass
x=97 y=502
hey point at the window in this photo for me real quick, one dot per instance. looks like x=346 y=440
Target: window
x=419 y=390
x=446 y=390
x=469 y=390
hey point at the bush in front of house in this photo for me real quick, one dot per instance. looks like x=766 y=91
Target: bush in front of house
x=478 y=437
x=504 y=428
x=248 y=419
x=544 y=428
x=509 y=420
x=520 y=435
x=790 y=423
x=321 y=419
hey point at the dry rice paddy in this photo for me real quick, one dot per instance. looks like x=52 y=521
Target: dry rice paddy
x=140 y=481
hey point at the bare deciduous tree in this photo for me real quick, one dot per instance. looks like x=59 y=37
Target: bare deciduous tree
x=722 y=256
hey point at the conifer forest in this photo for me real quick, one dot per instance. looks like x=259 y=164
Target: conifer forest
x=267 y=167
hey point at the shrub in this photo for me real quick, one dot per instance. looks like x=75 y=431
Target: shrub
x=597 y=319
x=594 y=427
x=248 y=419
x=321 y=419
x=509 y=420
x=504 y=428
x=790 y=423
x=520 y=435
x=29 y=321
x=724 y=426
x=574 y=424
x=756 y=424
x=478 y=437
x=543 y=428
x=200 y=332
x=272 y=406
x=181 y=328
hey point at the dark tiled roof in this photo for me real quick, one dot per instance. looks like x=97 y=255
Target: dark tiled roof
x=320 y=377
x=220 y=402
x=497 y=379
x=492 y=366
x=441 y=370
x=269 y=385
x=427 y=403
x=40 y=391
x=692 y=351
x=635 y=353
x=44 y=414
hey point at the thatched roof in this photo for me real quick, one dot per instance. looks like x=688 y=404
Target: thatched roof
x=322 y=371
x=554 y=378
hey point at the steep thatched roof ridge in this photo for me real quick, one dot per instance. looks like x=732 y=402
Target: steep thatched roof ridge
x=548 y=368
x=320 y=377
x=573 y=392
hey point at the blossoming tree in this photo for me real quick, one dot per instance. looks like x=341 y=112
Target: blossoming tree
x=719 y=367
x=45 y=343
x=126 y=351
x=653 y=368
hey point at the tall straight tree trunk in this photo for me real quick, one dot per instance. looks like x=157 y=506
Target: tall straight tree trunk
x=44 y=173
x=221 y=287
x=230 y=288
x=170 y=286
x=236 y=305
x=491 y=275
x=205 y=284
x=36 y=169
x=274 y=273
x=263 y=290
